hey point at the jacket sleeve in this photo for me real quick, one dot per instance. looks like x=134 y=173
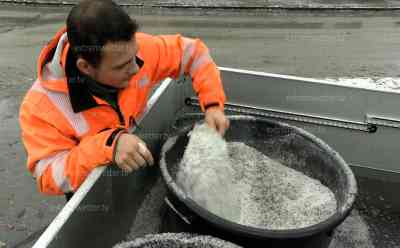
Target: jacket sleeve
x=60 y=163
x=179 y=56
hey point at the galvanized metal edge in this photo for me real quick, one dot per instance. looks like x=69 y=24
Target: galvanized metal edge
x=153 y=99
x=308 y=80
x=382 y=121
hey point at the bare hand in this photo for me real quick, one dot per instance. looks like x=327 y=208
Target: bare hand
x=216 y=119
x=132 y=153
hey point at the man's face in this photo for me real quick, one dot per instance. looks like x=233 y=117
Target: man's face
x=118 y=63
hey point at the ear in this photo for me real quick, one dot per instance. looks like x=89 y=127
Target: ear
x=84 y=67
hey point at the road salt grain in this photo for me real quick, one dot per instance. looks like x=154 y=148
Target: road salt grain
x=275 y=196
x=239 y=183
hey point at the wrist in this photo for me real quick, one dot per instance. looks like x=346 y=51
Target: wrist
x=210 y=105
x=114 y=139
x=213 y=106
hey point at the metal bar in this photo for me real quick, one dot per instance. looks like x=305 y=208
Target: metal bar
x=382 y=121
x=314 y=119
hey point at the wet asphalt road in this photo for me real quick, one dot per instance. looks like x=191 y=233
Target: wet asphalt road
x=311 y=44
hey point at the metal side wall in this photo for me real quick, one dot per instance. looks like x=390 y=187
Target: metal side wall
x=344 y=116
x=102 y=210
x=362 y=124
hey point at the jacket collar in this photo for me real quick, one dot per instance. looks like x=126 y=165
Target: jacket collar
x=79 y=94
x=51 y=71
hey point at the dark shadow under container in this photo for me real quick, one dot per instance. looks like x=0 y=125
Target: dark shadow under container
x=291 y=146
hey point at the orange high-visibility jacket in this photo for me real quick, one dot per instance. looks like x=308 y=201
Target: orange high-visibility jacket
x=66 y=136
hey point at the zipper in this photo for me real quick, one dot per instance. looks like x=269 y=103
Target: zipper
x=120 y=116
x=118 y=112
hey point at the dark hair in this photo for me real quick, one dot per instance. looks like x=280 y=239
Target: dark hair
x=93 y=23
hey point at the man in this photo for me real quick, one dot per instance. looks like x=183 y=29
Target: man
x=93 y=81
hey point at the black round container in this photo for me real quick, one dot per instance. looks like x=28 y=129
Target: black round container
x=312 y=157
x=176 y=240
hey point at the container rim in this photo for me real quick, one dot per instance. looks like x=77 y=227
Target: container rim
x=255 y=232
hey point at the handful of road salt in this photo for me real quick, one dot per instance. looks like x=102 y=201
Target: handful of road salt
x=206 y=175
x=243 y=185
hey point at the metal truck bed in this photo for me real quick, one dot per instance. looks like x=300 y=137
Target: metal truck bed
x=362 y=124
